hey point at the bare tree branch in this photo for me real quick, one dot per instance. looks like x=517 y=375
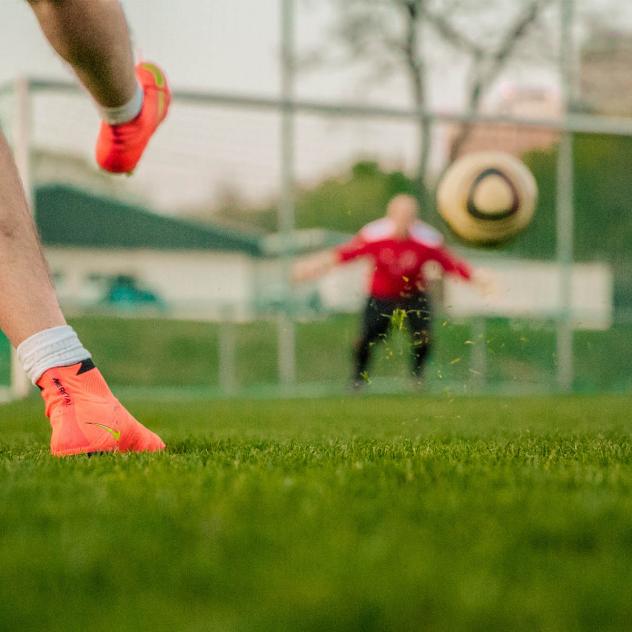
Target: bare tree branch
x=392 y=33
x=451 y=34
x=487 y=67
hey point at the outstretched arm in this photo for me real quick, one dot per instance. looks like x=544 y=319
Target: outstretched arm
x=483 y=280
x=313 y=267
x=451 y=264
x=319 y=264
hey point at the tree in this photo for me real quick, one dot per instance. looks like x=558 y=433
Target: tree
x=350 y=199
x=603 y=190
x=343 y=202
x=397 y=35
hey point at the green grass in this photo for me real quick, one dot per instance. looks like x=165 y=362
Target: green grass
x=520 y=355
x=399 y=513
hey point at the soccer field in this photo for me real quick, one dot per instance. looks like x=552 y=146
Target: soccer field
x=362 y=513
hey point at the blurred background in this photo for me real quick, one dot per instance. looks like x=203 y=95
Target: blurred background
x=294 y=122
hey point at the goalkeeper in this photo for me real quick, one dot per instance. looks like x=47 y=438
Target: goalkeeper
x=398 y=245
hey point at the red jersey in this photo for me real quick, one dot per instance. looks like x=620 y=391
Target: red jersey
x=399 y=263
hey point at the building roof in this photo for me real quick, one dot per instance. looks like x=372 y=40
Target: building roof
x=67 y=216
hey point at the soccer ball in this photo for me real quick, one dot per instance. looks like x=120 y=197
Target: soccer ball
x=487 y=197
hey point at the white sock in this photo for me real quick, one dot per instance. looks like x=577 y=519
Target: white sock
x=58 y=346
x=126 y=112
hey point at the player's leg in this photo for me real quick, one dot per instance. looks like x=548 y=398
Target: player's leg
x=84 y=414
x=93 y=37
x=28 y=304
x=419 y=319
x=376 y=321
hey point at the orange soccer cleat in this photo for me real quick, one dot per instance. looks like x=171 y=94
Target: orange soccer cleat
x=87 y=418
x=120 y=147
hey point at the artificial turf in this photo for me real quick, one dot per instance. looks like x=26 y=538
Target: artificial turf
x=359 y=513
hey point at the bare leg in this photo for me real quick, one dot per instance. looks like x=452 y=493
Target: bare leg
x=28 y=303
x=92 y=36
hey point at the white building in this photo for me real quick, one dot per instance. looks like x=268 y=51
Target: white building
x=106 y=254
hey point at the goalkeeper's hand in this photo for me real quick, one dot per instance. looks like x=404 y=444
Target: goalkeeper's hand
x=312 y=267
x=486 y=282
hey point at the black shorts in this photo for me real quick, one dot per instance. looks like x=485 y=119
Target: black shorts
x=414 y=312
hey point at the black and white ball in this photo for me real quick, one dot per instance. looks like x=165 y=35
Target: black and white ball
x=487 y=197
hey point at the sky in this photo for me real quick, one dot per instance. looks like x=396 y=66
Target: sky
x=228 y=46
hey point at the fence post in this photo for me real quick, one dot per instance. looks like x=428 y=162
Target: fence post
x=564 y=207
x=227 y=355
x=286 y=334
x=478 y=358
